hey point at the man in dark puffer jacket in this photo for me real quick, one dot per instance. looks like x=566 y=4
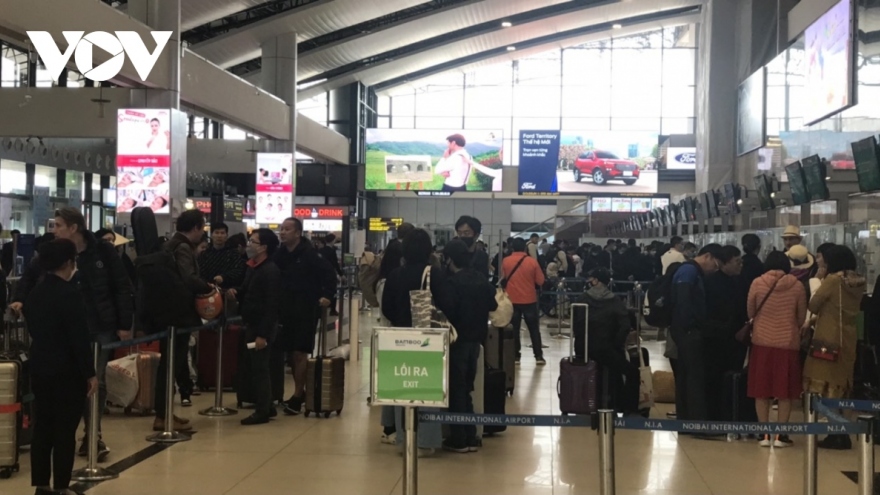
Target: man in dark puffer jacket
x=106 y=288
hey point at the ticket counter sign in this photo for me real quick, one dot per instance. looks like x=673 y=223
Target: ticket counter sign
x=410 y=367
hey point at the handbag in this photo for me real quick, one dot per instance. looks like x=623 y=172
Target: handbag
x=824 y=350
x=424 y=313
x=503 y=315
x=744 y=334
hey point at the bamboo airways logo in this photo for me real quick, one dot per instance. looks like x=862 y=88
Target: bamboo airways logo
x=81 y=47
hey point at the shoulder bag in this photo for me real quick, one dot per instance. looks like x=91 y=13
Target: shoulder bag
x=828 y=351
x=744 y=334
x=424 y=313
x=503 y=315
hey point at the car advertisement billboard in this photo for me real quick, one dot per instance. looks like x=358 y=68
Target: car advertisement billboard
x=434 y=160
x=681 y=158
x=274 y=187
x=143 y=159
x=595 y=162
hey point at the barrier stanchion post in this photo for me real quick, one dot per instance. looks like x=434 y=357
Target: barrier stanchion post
x=411 y=452
x=606 y=452
x=169 y=435
x=866 y=457
x=92 y=472
x=217 y=409
x=810 y=465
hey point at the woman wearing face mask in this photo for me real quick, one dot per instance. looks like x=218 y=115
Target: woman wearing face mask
x=62 y=370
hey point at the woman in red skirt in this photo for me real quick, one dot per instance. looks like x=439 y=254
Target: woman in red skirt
x=777 y=305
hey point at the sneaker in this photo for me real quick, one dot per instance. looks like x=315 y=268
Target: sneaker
x=836 y=442
x=765 y=441
x=389 y=439
x=103 y=451
x=159 y=425
x=782 y=441
x=671 y=415
x=540 y=361
x=83 y=448
x=293 y=406
x=459 y=449
x=517 y=360
x=255 y=419
x=474 y=445
x=186 y=402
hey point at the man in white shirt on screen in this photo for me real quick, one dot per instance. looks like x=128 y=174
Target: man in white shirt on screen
x=455 y=165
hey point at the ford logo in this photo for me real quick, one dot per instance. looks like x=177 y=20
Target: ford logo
x=528 y=186
x=689 y=158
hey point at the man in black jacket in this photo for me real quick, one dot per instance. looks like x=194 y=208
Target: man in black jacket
x=307 y=284
x=607 y=330
x=473 y=298
x=106 y=288
x=259 y=298
x=221 y=263
x=690 y=324
x=468 y=230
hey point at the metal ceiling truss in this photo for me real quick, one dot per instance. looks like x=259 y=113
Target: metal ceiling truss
x=356 y=31
x=535 y=42
x=461 y=34
x=242 y=19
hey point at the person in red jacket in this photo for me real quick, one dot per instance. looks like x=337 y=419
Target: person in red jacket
x=523 y=275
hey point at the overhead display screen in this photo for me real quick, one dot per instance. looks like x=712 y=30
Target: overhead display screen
x=377 y=224
x=814 y=174
x=143 y=159
x=829 y=72
x=641 y=205
x=587 y=162
x=751 y=130
x=797 y=183
x=601 y=205
x=621 y=205
x=274 y=187
x=434 y=160
x=867 y=158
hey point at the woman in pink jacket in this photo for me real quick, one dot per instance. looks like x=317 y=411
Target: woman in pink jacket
x=777 y=305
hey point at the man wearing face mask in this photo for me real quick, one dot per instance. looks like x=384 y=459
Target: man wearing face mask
x=260 y=297
x=468 y=230
x=106 y=289
x=690 y=325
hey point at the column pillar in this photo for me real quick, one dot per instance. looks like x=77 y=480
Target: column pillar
x=717 y=83
x=279 y=74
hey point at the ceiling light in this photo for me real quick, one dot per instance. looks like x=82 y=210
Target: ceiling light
x=616 y=26
x=506 y=24
x=773 y=195
x=511 y=48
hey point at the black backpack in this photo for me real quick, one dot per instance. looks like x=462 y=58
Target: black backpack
x=658 y=311
x=162 y=297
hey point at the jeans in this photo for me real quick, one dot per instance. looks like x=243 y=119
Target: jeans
x=58 y=402
x=430 y=435
x=101 y=370
x=529 y=312
x=463 y=358
x=691 y=402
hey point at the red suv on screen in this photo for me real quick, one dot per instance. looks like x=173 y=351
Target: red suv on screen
x=603 y=166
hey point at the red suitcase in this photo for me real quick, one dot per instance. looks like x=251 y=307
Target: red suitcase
x=207 y=357
x=577 y=385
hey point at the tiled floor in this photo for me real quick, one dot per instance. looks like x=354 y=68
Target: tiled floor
x=343 y=455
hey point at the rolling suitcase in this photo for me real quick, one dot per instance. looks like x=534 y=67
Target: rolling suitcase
x=735 y=403
x=500 y=349
x=10 y=415
x=148 y=370
x=577 y=385
x=325 y=378
x=207 y=357
x=494 y=396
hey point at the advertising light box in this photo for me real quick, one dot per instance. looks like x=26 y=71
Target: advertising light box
x=593 y=162
x=274 y=187
x=600 y=205
x=143 y=159
x=641 y=205
x=433 y=160
x=621 y=205
x=657 y=203
x=681 y=158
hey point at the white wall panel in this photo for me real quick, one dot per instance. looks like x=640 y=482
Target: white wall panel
x=445 y=212
x=462 y=207
x=388 y=207
x=426 y=211
x=483 y=211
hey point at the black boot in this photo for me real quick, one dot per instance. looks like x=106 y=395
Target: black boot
x=836 y=442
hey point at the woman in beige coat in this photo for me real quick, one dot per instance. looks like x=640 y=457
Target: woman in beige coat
x=836 y=305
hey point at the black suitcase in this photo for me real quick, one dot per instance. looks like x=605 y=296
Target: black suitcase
x=735 y=402
x=500 y=349
x=325 y=379
x=494 y=397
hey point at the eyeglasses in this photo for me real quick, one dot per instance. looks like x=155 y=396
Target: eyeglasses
x=255 y=243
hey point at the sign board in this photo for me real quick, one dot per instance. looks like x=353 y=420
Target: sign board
x=143 y=159
x=275 y=187
x=41 y=207
x=320 y=212
x=233 y=210
x=410 y=367
x=311 y=225
x=377 y=224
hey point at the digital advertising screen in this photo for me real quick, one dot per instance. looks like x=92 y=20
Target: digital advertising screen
x=867 y=158
x=828 y=85
x=681 y=158
x=751 y=129
x=434 y=160
x=658 y=203
x=589 y=162
x=274 y=187
x=621 y=205
x=641 y=205
x=143 y=159
x=600 y=205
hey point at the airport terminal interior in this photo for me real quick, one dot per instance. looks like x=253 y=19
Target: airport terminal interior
x=359 y=216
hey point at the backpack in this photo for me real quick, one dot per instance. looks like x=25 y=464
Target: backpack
x=368 y=275
x=658 y=300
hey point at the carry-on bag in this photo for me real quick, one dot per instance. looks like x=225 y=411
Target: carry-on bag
x=207 y=357
x=494 y=396
x=577 y=385
x=646 y=377
x=500 y=349
x=325 y=378
x=10 y=415
x=147 y=372
x=735 y=403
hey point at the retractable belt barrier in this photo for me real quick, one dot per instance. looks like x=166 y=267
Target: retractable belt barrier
x=848 y=404
x=146 y=339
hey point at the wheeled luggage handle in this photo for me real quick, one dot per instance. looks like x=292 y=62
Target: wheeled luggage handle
x=322 y=334
x=586 y=329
